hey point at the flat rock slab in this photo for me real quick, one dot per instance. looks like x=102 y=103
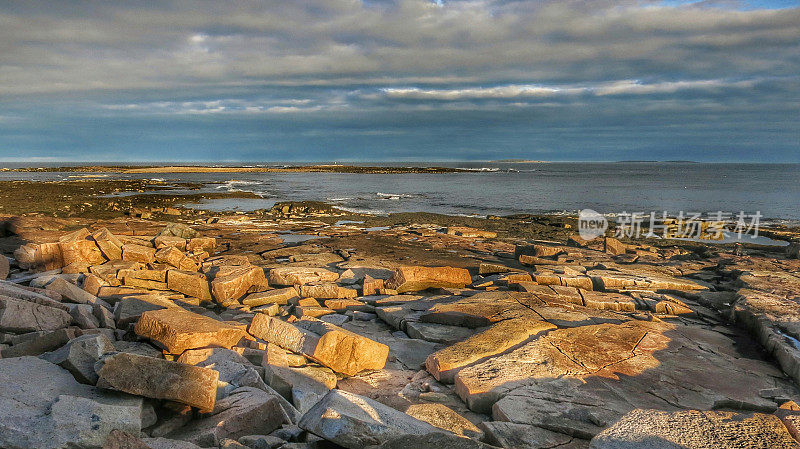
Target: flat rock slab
x=339 y=349
x=673 y=367
x=159 y=379
x=617 y=280
x=502 y=336
x=443 y=417
x=178 y=330
x=413 y=278
x=356 y=422
x=692 y=429
x=511 y=435
x=279 y=296
x=300 y=276
x=438 y=333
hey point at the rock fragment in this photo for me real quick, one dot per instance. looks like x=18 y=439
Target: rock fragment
x=177 y=330
x=414 y=278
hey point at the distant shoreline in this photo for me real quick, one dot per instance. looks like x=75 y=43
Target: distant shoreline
x=332 y=168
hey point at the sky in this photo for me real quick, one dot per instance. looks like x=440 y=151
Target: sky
x=405 y=80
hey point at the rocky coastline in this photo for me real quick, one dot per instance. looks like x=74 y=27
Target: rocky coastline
x=132 y=321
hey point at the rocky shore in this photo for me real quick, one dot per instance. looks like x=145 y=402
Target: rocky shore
x=148 y=325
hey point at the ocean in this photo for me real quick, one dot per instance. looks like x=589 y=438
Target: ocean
x=501 y=188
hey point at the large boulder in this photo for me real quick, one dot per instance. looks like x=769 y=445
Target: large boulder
x=42 y=406
x=339 y=349
x=159 y=379
x=23 y=316
x=80 y=355
x=356 y=422
x=413 y=278
x=177 y=330
x=693 y=429
x=109 y=244
x=247 y=411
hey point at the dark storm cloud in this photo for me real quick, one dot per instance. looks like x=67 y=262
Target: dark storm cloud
x=346 y=79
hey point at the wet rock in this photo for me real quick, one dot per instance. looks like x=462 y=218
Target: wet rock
x=356 y=422
x=80 y=355
x=178 y=330
x=300 y=276
x=694 y=430
x=138 y=253
x=409 y=279
x=446 y=363
x=158 y=379
x=189 y=283
x=246 y=411
x=23 y=316
x=341 y=350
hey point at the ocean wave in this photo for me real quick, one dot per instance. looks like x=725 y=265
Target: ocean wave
x=359 y=210
x=393 y=196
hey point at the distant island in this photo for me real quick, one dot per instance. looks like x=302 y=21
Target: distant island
x=659 y=162
x=519 y=161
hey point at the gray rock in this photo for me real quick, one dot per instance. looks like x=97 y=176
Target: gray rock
x=262 y=441
x=335 y=319
x=48 y=341
x=43 y=406
x=354 y=421
x=507 y=434
x=692 y=429
x=23 y=316
x=246 y=411
x=83 y=317
x=438 y=333
x=432 y=441
x=166 y=443
x=80 y=355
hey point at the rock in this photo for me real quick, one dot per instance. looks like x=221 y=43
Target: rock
x=138 y=253
x=41 y=344
x=262 y=441
x=614 y=246
x=109 y=244
x=175 y=257
x=438 y=333
x=131 y=308
x=119 y=439
x=246 y=411
x=164 y=241
x=371 y=286
x=304 y=385
x=608 y=301
x=631 y=280
x=341 y=350
x=446 y=363
x=511 y=435
x=231 y=285
x=80 y=251
x=166 y=443
x=80 y=355
x=335 y=319
x=443 y=417
x=280 y=296
x=355 y=422
x=189 y=283
x=45 y=256
x=23 y=316
x=74 y=293
x=410 y=279
x=177 y=330
x=327 y=291
x=43 y=407
x=83 y=317
x=465 y=231
x=300 y=276
x=694 y=429
x=178 y=230
x=4 y=267
x=158 y=379
x=201 y=244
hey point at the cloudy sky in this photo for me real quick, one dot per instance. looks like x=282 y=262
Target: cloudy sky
x=353 y=80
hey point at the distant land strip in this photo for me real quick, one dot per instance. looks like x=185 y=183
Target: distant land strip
x=242 y=169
